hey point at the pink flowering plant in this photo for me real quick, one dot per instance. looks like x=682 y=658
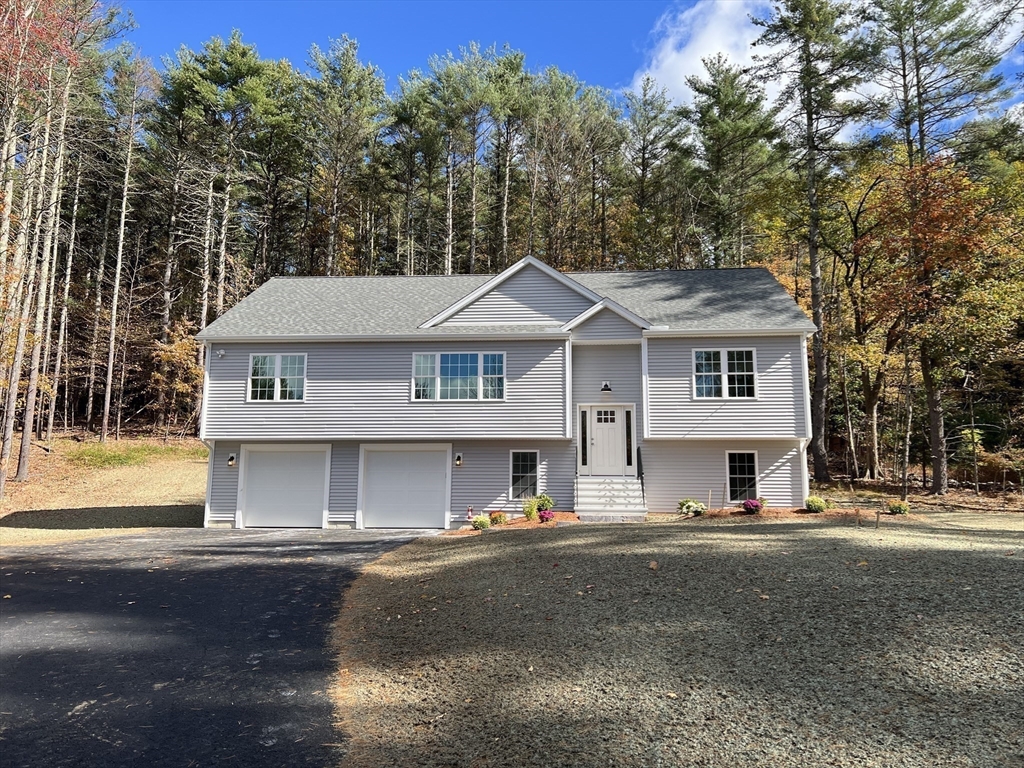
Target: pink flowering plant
x=546 y=516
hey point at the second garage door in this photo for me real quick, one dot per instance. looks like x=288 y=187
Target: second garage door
x=405 y=488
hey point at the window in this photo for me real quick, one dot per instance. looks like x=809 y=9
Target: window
x=584 y=421
x=742 y=476
x=739 y=373
x=524 y=473
x=458 y=376
x=277 y=377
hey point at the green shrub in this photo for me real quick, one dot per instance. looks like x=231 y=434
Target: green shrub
x=545 y=502
x=691 y=507
x=815 y=504
x=481 y=521
x=530 y=508
x=897 y=507
x=498 y=518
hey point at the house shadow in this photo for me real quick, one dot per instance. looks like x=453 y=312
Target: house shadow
x=159 y=516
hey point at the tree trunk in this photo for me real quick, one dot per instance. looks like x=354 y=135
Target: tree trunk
x=505 y=188
x=97 y=315
x=449 y=210
x=165 y=314
x=204 y=309
x=222 y=255
x=117 y=271
x=936 y=422
x=62 y=328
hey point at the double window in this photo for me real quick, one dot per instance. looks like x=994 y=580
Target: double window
x=742 y=476
x=524 y=474
x=736 y=380
x=277 y=377
x=458 y=376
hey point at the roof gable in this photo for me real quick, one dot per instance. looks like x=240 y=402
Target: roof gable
x=527 y=293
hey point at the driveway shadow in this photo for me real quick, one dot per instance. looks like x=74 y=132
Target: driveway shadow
x=164 y=516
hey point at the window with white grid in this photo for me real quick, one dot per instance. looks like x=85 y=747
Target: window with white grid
x=277 y=377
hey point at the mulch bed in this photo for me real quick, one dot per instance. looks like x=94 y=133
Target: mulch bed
x=517 y=523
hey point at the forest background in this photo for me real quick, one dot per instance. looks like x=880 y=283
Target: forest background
x=884 y=187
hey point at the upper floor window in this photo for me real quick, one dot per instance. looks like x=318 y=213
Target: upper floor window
x=458 y=376
x=277 y=377
x=738 y=373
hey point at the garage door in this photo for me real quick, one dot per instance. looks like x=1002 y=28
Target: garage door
x=405 y=488
x=284 y=488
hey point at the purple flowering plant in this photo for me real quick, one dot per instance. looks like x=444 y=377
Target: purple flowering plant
x=546 y=516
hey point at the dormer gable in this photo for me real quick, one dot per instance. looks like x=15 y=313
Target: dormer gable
x=606 y=320
x=527 y=293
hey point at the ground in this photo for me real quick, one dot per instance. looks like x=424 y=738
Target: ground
x=175 y=648
x=730 y=641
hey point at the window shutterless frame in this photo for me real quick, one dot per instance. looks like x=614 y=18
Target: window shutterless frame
x=724 y=374
x=512 y=497
x=427 y=378
x=729 y=475
x=279 y=372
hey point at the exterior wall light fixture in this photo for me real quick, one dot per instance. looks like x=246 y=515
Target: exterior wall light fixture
x=231 y=459
x=458 y=459
x=606 y=387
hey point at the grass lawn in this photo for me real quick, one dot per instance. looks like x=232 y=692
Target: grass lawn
x=83 y=490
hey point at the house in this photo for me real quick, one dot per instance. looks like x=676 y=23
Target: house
x=408 y=401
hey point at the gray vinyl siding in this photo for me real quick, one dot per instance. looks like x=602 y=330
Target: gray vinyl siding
x=619 y=365
x=778 y=410
x=606 y=325
x=529 y=296
x=363 y=391
x=341 y=505
x=675 y=470
x=483 y=479
x=224 y=488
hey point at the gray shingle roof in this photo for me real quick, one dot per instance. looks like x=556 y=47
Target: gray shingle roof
x=689 y=300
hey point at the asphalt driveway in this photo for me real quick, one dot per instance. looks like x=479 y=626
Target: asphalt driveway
x=178 y=648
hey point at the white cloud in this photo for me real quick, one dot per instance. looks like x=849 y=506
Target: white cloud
x=686 y=34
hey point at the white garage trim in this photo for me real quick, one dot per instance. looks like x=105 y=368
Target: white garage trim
x=243 y=456
x=403 y=447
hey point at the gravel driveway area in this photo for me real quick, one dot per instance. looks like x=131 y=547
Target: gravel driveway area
x=706 y=643
x=175 y=648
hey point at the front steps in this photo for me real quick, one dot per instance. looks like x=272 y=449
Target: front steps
x=610 y=500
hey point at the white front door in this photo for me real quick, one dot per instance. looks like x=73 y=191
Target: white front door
x=607 y=440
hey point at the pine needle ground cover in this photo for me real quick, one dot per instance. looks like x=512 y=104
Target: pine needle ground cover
x=721 y=642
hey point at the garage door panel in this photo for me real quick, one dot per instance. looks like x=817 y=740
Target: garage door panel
x=284 y=489
x=405 y=489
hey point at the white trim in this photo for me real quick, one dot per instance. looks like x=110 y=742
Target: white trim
x=244 y=449
x=738 y=332
x=805 y=483
x=206 y=391
x=725 y=437
x=211 y=447
x=550 y=332
x=568 y=390
x=757 y=476
x=508 y=496
x=479 y=378
x=808 y=431
x=605 y=342
x=724 y=373
x=360 y=480
x=354 y=438
x=645 y=387
x=500 y=278
x=611 y=305
x=277 y=376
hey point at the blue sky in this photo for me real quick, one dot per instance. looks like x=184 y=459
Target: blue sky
x=610 y=43
x=604 y=42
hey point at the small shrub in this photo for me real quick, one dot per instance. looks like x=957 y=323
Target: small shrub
x=546 y=515
x=691 y=507
x=530 y=508
x=545 y=502
x=752 y=506
x=764 y=503
x=481 y=521
x=815 y=504
x=498 y=518
x=897 y=507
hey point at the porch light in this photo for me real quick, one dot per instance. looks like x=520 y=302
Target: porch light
x=231 y=459
x=606 y=387
x=458 y=459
